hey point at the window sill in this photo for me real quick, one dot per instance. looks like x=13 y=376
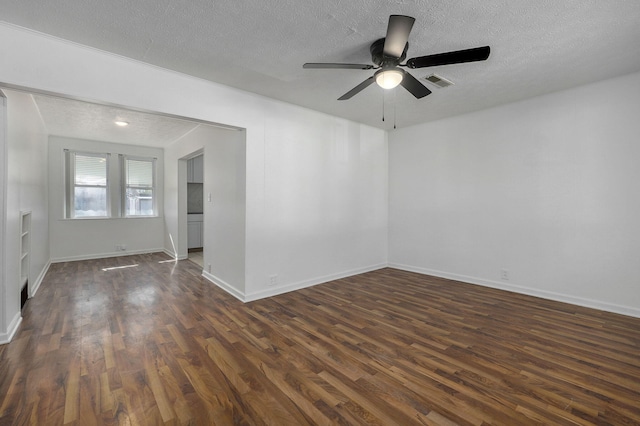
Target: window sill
x=108 y=218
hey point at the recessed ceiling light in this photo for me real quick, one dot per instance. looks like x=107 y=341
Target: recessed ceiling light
x=122 y=123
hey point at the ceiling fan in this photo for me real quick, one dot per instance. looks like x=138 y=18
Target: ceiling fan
x=388 y=52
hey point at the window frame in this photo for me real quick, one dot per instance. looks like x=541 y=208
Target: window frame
x=125 y=186
x=70 y=175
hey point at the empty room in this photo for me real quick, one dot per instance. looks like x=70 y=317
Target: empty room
x=292 y=213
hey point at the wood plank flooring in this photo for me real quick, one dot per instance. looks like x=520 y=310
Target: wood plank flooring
x=157 y=344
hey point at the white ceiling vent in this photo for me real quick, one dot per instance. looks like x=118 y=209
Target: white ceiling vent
x=438 y=81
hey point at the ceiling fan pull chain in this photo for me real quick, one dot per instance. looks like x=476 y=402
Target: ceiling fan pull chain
x=383 y=105
x=394 y=108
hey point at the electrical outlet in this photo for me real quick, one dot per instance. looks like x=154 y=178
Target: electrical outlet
x=209 y=267
x=273 y=280
x=118 y=247
x=123 y=247
x=504 y=274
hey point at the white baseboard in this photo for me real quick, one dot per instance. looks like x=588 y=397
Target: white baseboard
x=11 y=330
x=17 y=319
x=173 y=255
x=224 y=285
x=36 y=284
x=274 y=291
x=544 y=294
x=105 y=255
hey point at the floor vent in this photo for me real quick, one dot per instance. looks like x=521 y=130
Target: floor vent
x=440 y=82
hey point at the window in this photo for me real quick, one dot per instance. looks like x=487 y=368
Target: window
x=97 y=187
x=139 y=187
x=87 y=194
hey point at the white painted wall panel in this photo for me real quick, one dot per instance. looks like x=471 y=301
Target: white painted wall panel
x=26 y=191
x=324 y=209
x=74 y=239
x=548 y=189
x=345 y=242
x=5 y=304
x=224 y=216
x=225 y=212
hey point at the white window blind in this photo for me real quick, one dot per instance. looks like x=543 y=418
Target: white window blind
x=91 y=170
x=140 y=173
x=139 y=179
x=89 y=183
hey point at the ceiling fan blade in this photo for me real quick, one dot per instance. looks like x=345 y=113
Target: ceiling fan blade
x=397 y=35
x=457 y=57
x=412 y=84
x=360 y=87
x=329 y=65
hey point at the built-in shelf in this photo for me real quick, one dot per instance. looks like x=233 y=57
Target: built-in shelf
x=25 y=250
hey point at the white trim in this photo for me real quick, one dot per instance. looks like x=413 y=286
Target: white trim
x=286 y=288
x=274 y=291
x=36 y=284
x=174 y=255
x=105 y=255
x=11 y=330
x=544 y=294
x=225 y=286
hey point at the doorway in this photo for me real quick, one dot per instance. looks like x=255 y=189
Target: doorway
x=191 y=204
x=195 y=209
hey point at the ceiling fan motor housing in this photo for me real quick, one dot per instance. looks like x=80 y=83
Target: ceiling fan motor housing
x=378 y=58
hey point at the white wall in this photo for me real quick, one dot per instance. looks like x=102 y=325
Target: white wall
x=26 y=190
x=5 y=333
x=74 y=239
x=224 y=215
x=354 y=177
x=321 y=204
x=324 y=201
x=547 y=189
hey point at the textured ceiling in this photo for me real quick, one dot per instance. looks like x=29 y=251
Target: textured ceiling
x=82 y=120
x=260 y=45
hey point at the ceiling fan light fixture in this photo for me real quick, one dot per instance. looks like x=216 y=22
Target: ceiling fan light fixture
x=388 y=79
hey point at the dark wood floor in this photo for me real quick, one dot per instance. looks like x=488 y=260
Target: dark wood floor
x=156 y=343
